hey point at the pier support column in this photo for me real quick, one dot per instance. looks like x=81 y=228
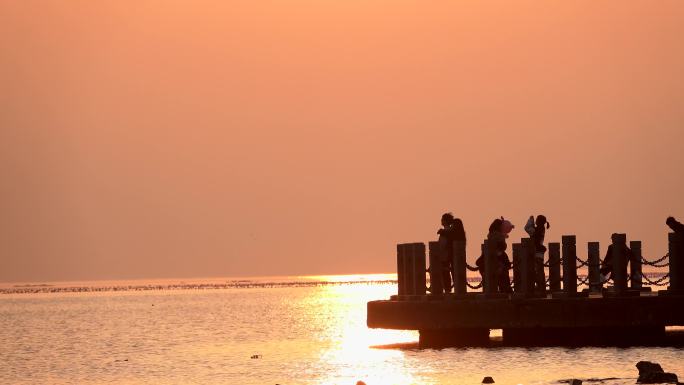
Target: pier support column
x=443 y=338
x=436 y=286
x=635 y=281
x=409 y=273
x=517 y=252
x=489 y=286
x=459 y=266
x=401 y=280
x=418 y=253
x=676 y=250
x=619 y=263
x=526 y=260
x=569 y=264
x=593 y=253
x=554 y=267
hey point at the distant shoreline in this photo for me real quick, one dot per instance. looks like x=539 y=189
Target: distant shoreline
x=211 y=284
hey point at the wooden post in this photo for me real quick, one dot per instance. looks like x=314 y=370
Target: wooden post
x=554 y=266
x=418 y=252
x=526 y=258
x=436 y=286
x=619 y=263
x=517 y=252
x=401 y=280
x=569 y=264
x=489 y=285
x=459 y=266
x=409 y=274
x=676 y=263
x=635 y=265
x=594 y=256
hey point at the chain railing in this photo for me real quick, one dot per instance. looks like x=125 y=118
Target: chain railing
x=582 y=263
x=657 y=282
x=657 y=261
x=592 y=263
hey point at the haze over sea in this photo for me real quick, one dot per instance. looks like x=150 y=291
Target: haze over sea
x=301 y=330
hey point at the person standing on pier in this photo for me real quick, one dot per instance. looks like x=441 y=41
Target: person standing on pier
x=537 y=231
x=607 y=264
x=498 y=232
x=452 y=230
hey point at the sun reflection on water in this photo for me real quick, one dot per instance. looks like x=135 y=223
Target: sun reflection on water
x=352 y=349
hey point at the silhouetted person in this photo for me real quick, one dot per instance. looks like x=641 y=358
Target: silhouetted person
x=459 y=230
x=676 y=226
x=607 y=264
x=537 y=230
x=446 y=249
x=497 y=239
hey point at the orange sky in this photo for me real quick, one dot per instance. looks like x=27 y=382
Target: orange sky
x=146 y=139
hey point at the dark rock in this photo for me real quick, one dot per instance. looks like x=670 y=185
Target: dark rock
x=648 y=367
x=653 y=373
x=487 y=380
x=657 y=378
x=575 y=381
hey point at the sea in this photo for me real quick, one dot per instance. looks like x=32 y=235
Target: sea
x=263 y=330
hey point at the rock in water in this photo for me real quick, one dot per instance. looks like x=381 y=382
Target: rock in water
x=658 y=378
x=487 y=380
x=653 y=373
x=575 y=381
x=648 y=367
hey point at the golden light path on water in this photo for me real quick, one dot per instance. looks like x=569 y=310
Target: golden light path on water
x=355 y=347
x=303 y=330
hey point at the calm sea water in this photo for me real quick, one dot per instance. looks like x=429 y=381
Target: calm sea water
x=302 y=331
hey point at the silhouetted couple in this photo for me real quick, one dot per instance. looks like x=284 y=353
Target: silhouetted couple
x=452 y=230
x=496 y=239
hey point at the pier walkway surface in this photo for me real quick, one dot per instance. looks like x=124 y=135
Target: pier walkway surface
x=628 y=312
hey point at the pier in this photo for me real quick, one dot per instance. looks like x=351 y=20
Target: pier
x=577 y=309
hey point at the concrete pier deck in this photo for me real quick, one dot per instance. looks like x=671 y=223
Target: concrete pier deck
x=627 y=313
x=596 y=319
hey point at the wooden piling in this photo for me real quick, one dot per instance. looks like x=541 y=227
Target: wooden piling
x=619 y=263
x=418 y=252
x=489 y=284
x=401 y=280
x=676 y=250
x=436 y=286
x=409 y=272
x=554 y=267
x=569 y=264
x=635 y=281
x=459 y=268
x=517 y=252
x=594 y=257
x=526 y=259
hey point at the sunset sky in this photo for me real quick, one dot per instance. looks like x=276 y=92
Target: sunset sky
x=163 y=139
